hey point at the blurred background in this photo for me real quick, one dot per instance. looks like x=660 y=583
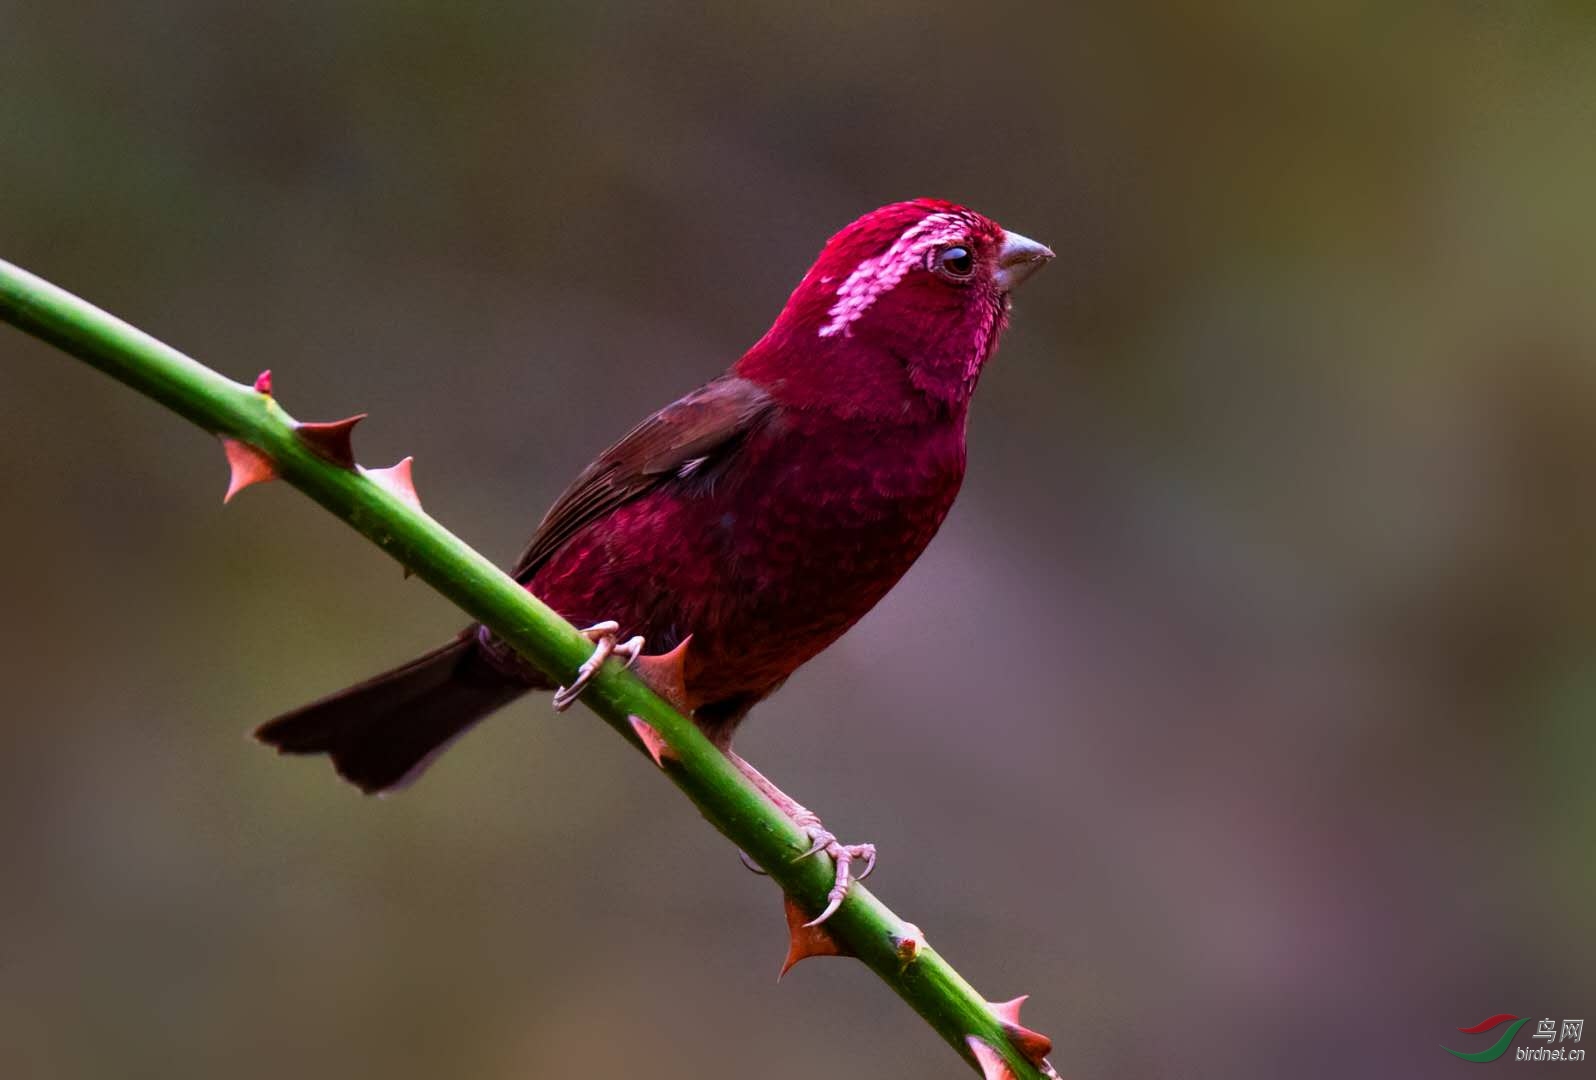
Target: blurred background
x=1240 y=714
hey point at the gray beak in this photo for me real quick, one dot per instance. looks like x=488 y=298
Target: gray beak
x=1018 y=259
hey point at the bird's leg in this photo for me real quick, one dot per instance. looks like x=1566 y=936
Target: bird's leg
x=821 y=839
x=602 y=635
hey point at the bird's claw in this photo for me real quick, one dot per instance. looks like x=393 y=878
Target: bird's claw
x=843 y=856
x=602 y=635
x=820 y=838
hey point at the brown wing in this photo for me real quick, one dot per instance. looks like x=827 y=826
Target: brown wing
x=708 y=421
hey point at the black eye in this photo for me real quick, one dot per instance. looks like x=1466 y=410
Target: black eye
x=956 y=261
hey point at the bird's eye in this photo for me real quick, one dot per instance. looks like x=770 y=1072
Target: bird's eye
x=956 y=261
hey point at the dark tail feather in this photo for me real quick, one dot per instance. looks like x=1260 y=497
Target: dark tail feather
x=382 y=733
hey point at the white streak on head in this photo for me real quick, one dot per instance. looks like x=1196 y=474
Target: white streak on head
x=880 y=273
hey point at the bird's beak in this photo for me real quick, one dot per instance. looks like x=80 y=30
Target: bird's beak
x=1018 y=259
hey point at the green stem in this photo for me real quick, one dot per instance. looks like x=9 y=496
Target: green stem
x=864 y=925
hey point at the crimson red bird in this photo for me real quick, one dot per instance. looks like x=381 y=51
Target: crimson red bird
x=760 y=516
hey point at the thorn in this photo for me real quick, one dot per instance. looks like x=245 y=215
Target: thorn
x=398 y=480
x=908 y=946
x=652 y=741
x=1008 y=1011
x=1033 y=1044
x=331 y=439
x=246 y=466
x=263 y=382
x=993 y=1067
x=665 y=674
x=805 y=941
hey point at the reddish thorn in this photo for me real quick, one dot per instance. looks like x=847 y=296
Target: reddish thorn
x=993 y=1067
x=666 y=675
x=652 y=741
x=1032 y=1044
x=399 y=480
x=331 y=439
x=806 y=941
x=263 y=382
x=1008 y=1011
x=246 y=465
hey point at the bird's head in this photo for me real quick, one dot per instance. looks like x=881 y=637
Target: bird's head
x=905 y=303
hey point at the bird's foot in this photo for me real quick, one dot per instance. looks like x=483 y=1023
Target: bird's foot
x=820 y=839
x=605 y=644
x=842 y=855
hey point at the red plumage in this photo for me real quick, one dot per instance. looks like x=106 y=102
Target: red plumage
x=762 y=514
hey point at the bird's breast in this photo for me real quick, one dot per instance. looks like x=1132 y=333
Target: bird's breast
x=805 y=534
x=819 y=506
x=767 y=557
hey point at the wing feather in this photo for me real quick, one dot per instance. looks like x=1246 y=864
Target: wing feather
x=702 y=425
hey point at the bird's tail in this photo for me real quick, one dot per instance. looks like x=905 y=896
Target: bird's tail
x=382 y=733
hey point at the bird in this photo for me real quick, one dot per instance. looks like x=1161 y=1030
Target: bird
x=737 y=532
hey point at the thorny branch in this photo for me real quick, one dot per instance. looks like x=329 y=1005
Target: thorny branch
x=263 y=442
